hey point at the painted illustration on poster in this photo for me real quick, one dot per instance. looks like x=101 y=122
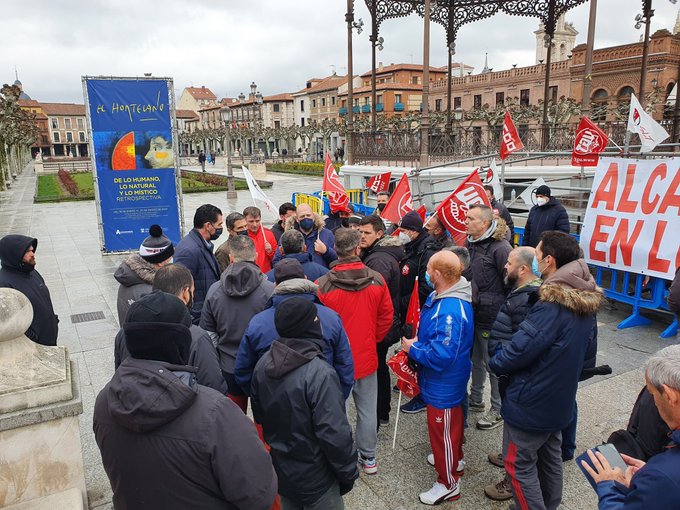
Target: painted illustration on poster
x=134 y=159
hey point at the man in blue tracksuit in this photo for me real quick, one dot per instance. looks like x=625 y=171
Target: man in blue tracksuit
x=442 y=352
x=544 y=360
x=655 y=484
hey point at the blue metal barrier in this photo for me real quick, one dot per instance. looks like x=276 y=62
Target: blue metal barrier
x=650 y=296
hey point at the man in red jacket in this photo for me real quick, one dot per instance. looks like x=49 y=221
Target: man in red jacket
x=361 y=298
x=265 y=242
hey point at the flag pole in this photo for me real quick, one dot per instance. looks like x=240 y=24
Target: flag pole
x=396 y=421
x=502 y=180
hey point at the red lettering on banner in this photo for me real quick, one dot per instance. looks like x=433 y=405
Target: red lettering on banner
x=672 y=197
x=654 y=263
x=607 y=191
x=648 y=206
x=600 y=237
x=626 y=205
x=625 y=243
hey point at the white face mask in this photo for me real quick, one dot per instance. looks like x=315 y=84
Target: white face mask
x=541 y=201
x=404 y=238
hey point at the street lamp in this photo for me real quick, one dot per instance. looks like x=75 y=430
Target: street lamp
x=231 y=189
x=646 y=18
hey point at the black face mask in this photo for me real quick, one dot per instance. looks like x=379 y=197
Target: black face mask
x=217 y=234
x=381 y=207
x=345 y=222
x=242 y=233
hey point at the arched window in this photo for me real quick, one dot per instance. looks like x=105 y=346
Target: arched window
x=599 y=101
x=625 y=93
x=563 y=52
x=669 y=101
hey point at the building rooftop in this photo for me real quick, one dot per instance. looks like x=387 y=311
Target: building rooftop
x=63 y=109
x=406 y=67
x=186 y=114
x=201 y=93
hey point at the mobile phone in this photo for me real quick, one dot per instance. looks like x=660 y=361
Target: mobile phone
x=610 y=453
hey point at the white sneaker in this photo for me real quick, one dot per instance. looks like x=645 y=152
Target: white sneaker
x=438 y=493
x=460 y=470
x=490 y=420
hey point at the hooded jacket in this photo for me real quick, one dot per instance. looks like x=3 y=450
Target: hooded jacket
x=313 y=271
x=135 y=276
x=202 y=355
x=197 y=256
x=488 y=256
x=551 y=216
x=261 y=332
x=417 y=255
x=384 y=257
x=506 y=217
x=14 y=274
x=320 y=232
x=547 y=354
x=655 y=485
x=361 y=298
x=163 y=443
x=241 y=292
x=443 y=348
x=296 y=396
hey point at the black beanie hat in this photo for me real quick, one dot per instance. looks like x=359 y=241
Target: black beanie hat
x=412 y=221
x=287 y=269
x=156 y=247
x=157 y=328
x=543 y=190
x=296 y=317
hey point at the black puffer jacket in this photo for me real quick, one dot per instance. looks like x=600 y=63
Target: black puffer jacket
x=417 y=255
x=384 y=257
x=511 y=314
x=23 y=277
x=169 y=443
x=488 y=256
x=297 y=399
x=551 y=216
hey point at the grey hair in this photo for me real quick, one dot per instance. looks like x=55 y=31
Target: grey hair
x=463 y=255
x=346 y=241
x=525 y=255
x=292 y=241
x=664 y=368
x=242 y=248
x=487 y=212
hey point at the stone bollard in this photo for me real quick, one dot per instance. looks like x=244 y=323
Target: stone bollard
x=41 y=460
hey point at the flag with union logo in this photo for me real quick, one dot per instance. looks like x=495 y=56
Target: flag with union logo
x=379 y=183
x=510 y=141
x=452 y=212
x=399 y=203
x=589 y=143
x=333 y=188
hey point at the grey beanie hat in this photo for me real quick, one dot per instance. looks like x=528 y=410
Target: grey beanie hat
x=156 y=247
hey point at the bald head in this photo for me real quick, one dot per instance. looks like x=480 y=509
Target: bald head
x=518 y=270
x=303 y=209
x=444 y=268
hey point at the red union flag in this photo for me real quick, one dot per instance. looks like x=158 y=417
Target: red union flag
x=452 y=212
x=399 y=203
x=407 y=378
x=510 y=141
x=379 y=183
x=589 y=143
x=337 y=196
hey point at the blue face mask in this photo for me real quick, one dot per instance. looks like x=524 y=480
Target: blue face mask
x=307 y=224
x=427 y=279
x=534 y=267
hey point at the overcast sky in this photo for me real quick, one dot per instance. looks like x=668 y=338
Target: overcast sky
x=226 y=44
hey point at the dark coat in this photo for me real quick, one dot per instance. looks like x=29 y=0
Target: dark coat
x=194 y=254
x=416 y=256
x=505 y=216
x=384 y=257
x=14 y=274
x=510 y=315
x=202 y=355
x=135 y=276
x=241 y=292
x=261 y=332
x=674 y=294
x=169 y=443
x=547 y=354
x=297 y=399
x=551 y=216
x=655 y=485
x=313 y=271
x=318 y=232
x=277 y=230
x=487 y=261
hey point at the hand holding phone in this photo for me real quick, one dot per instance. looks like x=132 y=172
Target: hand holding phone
x=605 y=463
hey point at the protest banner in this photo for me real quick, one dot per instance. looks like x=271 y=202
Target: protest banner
x=134 y=159
x=633 y=216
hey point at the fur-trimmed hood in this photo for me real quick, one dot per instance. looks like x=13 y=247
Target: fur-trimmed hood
x=134 y=270
x=292 y=222
x=573 y=287
x=296 y=286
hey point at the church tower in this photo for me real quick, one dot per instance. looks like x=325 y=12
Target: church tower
x=562 y=44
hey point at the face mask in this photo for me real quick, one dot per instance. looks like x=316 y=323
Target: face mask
x=307 y=224
x=381 y=207
x=217 y=234
x=427 y=280
x=345 y=222
x=541 y=201
x=242 y=233
x=404 y=238
x=534 y=267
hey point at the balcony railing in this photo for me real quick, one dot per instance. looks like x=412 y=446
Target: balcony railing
x=399 y=107
x=343 y=111
x=379 y=107
x=366 y=108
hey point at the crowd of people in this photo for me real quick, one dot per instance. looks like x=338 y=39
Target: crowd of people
x=296 y=318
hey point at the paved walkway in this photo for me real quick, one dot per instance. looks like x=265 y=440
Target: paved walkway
x=81 y=280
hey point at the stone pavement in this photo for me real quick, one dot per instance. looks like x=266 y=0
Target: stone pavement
x=81 y=280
